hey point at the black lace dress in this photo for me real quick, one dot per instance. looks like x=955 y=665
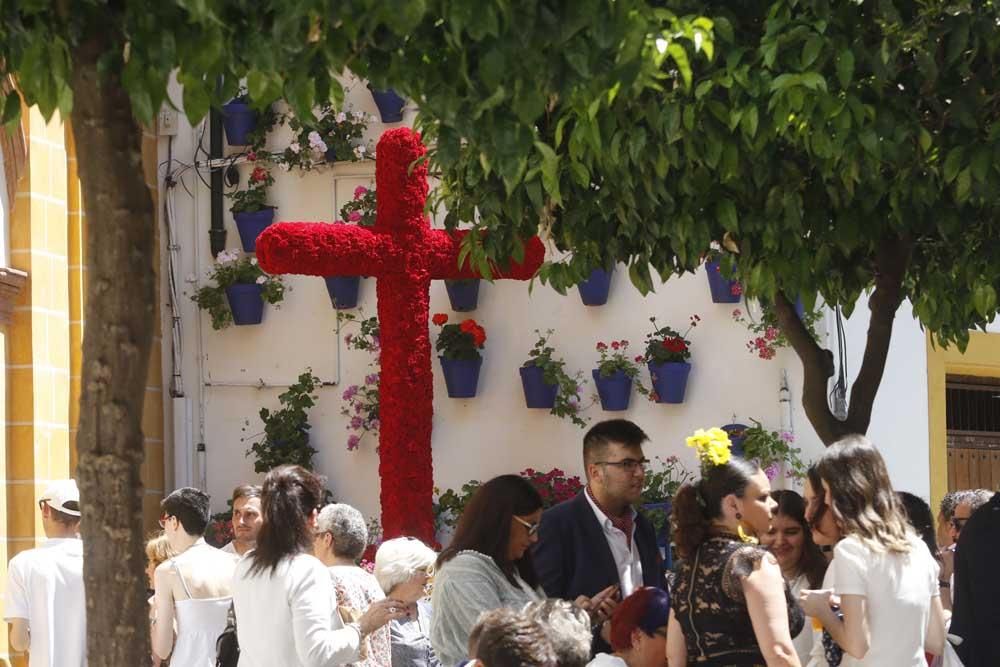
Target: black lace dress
x=707 y=599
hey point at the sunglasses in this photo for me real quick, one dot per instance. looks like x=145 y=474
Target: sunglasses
x=532 y=527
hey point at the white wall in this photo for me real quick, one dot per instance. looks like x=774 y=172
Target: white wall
x=493 y=433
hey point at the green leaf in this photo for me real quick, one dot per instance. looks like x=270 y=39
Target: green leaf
x=550 y=170
x=845 y=67
x=725 y=212
x=196 y=99
x=963 y=184
x=680 y=58
x=11 y=108
x=925 y=140
x=749 y=122
x=810 y=51
x=984 y=299
x=953 y=163
x=870 y=141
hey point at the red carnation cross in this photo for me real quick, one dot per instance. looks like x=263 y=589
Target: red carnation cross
x=404 y=254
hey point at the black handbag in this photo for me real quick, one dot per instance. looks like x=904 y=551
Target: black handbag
x=227 y=646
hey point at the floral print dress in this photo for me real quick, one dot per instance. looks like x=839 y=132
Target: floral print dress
x=356 y=589
x=708 y=602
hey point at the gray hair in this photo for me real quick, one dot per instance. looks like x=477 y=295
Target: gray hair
x=976 y=498
x=347 y=525
x=568 y=627
x=399 y=559
x=948 y=503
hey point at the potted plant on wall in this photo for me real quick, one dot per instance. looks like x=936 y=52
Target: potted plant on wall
x=389 y=103
x=343 y=290
x=239 y=120
x=463 y=294
x=285 y=439
x=240 y=290
x=724 y=286
x=547 y=385
x=595 y=288
x=615 y=374
x=250 y=211
x=658 y=491
x=459 y=345
x=667 y=354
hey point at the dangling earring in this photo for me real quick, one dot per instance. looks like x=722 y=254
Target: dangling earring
x=748 y=539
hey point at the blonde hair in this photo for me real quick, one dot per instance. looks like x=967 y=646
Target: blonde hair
x=158 y=549
x=861 y=495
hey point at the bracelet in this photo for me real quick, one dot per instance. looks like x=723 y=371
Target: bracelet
x=944 y=584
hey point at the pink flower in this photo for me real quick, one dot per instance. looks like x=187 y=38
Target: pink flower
x=614 y=345
x=737 y=314
x=353 y=441
x=771 y=333
x=360 y=192
x=736 y=289
x=354 y=216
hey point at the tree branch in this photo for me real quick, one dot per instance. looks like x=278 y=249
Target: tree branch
x=817 y=368
x=891 y=261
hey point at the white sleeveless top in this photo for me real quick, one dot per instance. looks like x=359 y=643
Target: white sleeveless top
x=199 y=624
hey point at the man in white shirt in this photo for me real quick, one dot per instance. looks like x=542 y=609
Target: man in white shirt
x=44 y=601
x=597 y=539
x=247 y=519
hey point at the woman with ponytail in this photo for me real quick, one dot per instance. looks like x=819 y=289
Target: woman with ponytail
x=884 y=577
x=730 y=604
x=283 y=596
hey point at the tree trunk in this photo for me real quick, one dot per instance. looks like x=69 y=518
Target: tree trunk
x=891 y=260
x=119 y=330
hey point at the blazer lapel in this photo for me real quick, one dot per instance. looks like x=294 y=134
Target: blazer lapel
x=603 y=563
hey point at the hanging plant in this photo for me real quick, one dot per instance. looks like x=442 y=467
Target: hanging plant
x=667 y=354
x=459 y=346
x=771 y=450
x=766 y=335
x=285 y=439
x=233 y=275
x=333 y=136
x=547 y=384
x=615 y=374
x=362 y=400
x=251 y=213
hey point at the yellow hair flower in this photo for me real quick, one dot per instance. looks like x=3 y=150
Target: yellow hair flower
x=713 y=446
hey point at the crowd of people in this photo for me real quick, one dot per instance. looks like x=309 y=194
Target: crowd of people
x=848 y=573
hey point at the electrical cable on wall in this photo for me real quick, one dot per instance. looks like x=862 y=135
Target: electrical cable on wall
x=838 y=395
x=169 y=218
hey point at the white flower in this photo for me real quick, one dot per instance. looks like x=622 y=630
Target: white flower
x=372 y=118
x=227 y=256
x=341 y=117
x=253 y=260
x=361 y=149
x=285 y=166
x=358 y=115
x=261 y=280
x=294 y=147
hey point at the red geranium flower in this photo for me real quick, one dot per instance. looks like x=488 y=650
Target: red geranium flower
x=615 y=345
x=439 y=319
x=602 y=346
x=259 y=175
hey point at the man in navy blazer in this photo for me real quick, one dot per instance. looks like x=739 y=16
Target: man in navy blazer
x=598 y=539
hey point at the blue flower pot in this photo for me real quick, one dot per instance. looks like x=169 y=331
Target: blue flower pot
x=246 y=303
x=238 y=120
x=614 y=390
x=537 y=393
x=461 y=376
x=594 y=290
x=390 y=105
x=669 y=380
x=463 y=294
x=736 y=440
x=721 y=287
x=330 y=155
x=343 y=291
x=250 y=225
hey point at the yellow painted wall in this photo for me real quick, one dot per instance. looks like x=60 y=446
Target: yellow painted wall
x=44 y=342
x=982 y=358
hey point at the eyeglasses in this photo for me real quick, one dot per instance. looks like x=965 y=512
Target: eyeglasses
x=958 y=523
x=628 y=465
x=164 y=519
x=532 y=527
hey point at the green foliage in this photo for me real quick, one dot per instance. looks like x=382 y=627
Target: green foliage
x=567 y=403
x=286 y=430
x=767 y=334
x=661 y=485
x=771 y=448
x=232 y=269
x=614 y=357
x=361 y=209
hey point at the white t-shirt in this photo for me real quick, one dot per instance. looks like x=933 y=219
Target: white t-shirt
x=898 y=589
x=230 y=548
x=607 y=660
x=287 y=617
x=45 y=586
x=817 y=654
x=804 y=640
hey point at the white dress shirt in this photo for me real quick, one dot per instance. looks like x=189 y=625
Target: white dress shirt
x=623 y=550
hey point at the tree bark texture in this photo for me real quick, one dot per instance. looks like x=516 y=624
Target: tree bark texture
x=117 y=338
x=891 y=260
